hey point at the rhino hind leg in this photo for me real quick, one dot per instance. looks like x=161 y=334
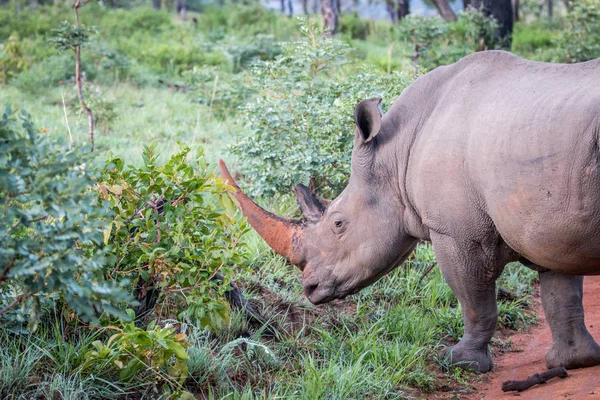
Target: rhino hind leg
x=471 y=275
x=572 y=344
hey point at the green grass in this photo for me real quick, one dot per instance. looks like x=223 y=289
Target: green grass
x=537 y=40
x=143 y=115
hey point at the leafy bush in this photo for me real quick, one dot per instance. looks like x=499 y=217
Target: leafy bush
x=109 y=63
x=50 y=223
x=298 y=127
x=580 y=40
x=144 y=355
x=422 y=33
x=354 y=27
x=473 y=31
x=51 y=72
x=124 y=23
x=221 y=92
x=12 y=59
x=28 y=23
x=533 y=37
x=174 y=232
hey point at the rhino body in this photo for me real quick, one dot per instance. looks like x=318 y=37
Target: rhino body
x=493 y=159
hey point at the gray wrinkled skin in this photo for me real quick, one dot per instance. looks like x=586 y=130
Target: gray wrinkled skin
x=493 y=159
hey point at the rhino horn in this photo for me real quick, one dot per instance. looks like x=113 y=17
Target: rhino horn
x=282 y=235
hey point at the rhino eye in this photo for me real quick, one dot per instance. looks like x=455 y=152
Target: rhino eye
x=338 y=226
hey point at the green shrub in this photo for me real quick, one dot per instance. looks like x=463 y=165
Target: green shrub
x=110 y=65
x=29 y=22
x=12 y=59
x=221 y=92
x=529 y=38
x=580 y=40
x=123 y=23
x=174 y=231
x=472 y=32
x=141 y=354
x=298 y=127
x=49 y=73
x=354 y=27
x=50 y=223
x=422 y=33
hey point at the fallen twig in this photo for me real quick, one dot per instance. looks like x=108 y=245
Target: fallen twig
x=519 y=386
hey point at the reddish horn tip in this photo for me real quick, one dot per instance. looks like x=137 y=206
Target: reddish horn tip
x=225 y=173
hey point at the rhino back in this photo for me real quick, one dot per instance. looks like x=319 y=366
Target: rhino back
x=508 y=151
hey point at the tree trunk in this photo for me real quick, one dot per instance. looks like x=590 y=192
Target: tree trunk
x=550 y=5
x=282 y=6
x=305 y=7
x=445 y=10
x=330 y=15
x=403 y=9
x=290 y=8
x=181 y=7
x=156 y=4
x=391 y=9
x=467 y=4
x=515 y=5
x=503 y=12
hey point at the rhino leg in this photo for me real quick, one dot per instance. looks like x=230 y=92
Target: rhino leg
x=572 y=344
x=471 y=274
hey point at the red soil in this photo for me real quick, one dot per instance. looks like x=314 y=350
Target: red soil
x=528 y=358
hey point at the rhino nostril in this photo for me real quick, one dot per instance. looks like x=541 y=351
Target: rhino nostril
x=309 y=289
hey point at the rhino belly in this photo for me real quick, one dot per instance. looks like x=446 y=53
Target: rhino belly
x=551 y=216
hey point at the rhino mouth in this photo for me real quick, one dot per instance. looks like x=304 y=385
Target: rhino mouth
x=318 y=293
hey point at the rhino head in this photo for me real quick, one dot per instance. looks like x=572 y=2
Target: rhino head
x=347 y=243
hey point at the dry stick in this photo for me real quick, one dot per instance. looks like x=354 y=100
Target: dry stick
x=67 y=119
x=389 y=54
x=212 y=98
x=426 y=272
x=18 y=300
x=78 y=78
x=519 y=386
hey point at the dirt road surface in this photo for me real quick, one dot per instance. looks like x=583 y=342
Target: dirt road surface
x=529 y=359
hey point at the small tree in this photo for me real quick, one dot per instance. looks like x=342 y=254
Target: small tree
x=174 y=231
x=50 y=224
x=72 y=37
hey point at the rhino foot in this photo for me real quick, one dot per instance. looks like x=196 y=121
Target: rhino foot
x=579 y=352
x=478 y=360
x=572 y=344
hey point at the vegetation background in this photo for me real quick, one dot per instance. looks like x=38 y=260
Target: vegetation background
x=126 y=272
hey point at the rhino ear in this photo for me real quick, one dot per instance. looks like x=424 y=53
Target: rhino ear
x=312 y=206
x=367 y=117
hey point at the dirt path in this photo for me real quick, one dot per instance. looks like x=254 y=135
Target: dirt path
x=529 y=359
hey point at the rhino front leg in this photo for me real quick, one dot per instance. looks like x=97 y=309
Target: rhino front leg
x=471 y=275
x=572 y=344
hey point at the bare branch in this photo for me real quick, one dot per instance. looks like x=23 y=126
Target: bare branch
x=18 y=300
